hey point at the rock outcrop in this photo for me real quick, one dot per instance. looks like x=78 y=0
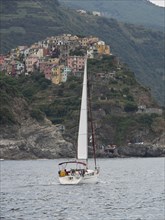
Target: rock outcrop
x=29 y=139
x=152 y=149
x=142 y=150
x=35 y=141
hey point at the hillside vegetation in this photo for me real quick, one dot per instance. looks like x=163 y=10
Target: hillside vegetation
x=115 y=95
x=25 y=22
x=141 y=12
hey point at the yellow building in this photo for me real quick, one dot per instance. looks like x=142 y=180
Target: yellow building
x=102 y=48
x=57 y=74
x=107 y=49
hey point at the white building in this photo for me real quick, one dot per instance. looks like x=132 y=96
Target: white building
x=96 y=13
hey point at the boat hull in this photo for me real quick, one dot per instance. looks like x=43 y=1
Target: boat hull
x=87 y=179
x=70 y=180
x=90 y=176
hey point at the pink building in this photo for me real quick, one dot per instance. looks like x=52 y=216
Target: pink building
x=46 y=69
x=30 y=61
x=76 y=63
x=2 y=59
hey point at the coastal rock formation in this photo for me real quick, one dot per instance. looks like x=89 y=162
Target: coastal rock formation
x=142 y=150
x=32 y=141
x=155 y=148
x=35 y=141
x=29 y=139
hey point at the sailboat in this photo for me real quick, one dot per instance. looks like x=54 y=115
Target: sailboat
x=77 y=171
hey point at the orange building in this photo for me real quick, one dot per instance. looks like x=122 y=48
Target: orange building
x=56 y=74
x=102 y=48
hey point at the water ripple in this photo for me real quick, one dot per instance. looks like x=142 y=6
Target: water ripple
x=128 y=189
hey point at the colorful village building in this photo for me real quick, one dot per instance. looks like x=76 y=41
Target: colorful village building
x=53 y=56
x=92 y=52
x=65 y=72
x=2 y=61
x=30 y=61
x=56 y=74
x=102 y=48
x=76 y=63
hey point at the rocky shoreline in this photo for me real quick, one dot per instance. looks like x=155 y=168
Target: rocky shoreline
x=29 y=139
x=137 y=150
x=41 y=147
x=35 y=141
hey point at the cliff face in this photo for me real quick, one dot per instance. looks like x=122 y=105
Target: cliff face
x=156 y=149
x=142 y=150
x=29 y=139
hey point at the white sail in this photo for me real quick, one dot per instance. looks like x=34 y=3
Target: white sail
x=82 y=152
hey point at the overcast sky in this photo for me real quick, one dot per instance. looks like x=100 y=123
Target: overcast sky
x=158 y=2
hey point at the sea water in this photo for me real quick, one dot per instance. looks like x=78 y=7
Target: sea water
x=128 y=189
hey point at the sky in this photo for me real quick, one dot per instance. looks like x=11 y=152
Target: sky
x=158 y=2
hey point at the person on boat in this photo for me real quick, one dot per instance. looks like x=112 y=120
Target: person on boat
x=62 y=173
x=82 y=172
x=72 y=171
x=66 y=172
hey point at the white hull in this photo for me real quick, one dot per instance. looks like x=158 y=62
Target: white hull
x=69 y=180
x=90 y=176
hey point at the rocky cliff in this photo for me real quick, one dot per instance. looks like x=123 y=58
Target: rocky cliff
x=29 y=139
x=154 y=149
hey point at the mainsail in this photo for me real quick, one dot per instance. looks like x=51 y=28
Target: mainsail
x=82 y=151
